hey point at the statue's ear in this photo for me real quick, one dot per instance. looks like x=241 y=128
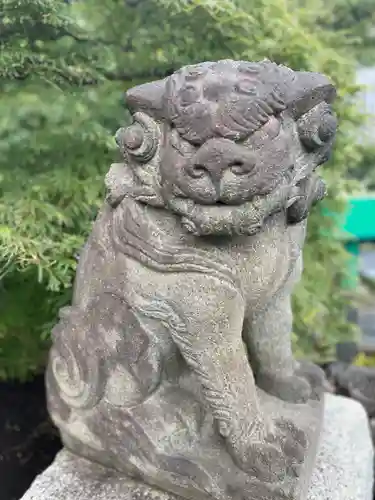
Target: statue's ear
x=307 y=91
x=312 y=189
x=148 y=98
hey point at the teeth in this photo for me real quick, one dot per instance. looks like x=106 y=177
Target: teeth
x=292 y=200
x=295 y=191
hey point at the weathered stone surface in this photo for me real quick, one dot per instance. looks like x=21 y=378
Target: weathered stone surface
x=174 y=361
x=343 y=470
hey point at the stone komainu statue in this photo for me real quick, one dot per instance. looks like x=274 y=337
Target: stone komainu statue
x=173 y=366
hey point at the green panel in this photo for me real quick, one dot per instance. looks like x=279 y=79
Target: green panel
x=360 y=218
x=358 y=226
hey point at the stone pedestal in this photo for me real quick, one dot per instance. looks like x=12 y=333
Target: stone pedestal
x=343 y=471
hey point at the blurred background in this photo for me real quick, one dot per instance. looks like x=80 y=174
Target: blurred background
x=64 y=67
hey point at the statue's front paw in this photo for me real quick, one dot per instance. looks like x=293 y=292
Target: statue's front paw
x=266 y=461
x=280 y=454
x=294 y=444
x=271 y=452
x=293 y=440
x=294 y=389
x=255 y=450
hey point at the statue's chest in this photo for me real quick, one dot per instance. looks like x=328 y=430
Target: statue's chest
x=269 y=262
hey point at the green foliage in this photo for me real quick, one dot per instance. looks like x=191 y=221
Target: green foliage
x=365 y=171
x=28 y=31
x=51 y=183
x=56 y=129
x=355 y=19
x=364 y=360
x=27 y=312
x=351 y=14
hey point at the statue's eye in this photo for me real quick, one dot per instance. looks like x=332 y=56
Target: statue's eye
x=238 y=168
x=188 y=95
x=197 y=171
x=243 y=165
x=140 y=139
x=246 y=87
x=317 y=127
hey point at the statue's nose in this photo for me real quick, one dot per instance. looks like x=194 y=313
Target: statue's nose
x=218 y=155
x=210 y=159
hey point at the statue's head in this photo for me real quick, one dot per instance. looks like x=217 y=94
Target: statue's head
x=228 y=133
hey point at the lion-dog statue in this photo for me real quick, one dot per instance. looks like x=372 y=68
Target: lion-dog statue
x=173 y=366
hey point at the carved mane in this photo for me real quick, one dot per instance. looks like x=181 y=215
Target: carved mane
x=135 y=235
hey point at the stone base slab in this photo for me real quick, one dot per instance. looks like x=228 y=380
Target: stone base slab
x=343 y=471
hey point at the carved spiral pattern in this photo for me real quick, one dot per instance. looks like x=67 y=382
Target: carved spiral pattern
x=317 y=127
x=79 y=376
x=74 y=390
x=139 y=140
